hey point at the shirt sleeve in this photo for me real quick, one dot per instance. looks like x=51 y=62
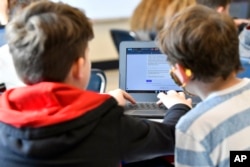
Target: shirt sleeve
x=175 y=113
x=143 y=139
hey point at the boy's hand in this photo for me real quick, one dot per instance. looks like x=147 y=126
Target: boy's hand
x=121 y=96
x=172 y=97
x=238 y=21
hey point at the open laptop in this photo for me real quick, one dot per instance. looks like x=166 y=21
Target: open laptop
x=143 y=73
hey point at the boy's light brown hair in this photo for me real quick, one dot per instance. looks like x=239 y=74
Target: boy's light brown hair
x=207 y=45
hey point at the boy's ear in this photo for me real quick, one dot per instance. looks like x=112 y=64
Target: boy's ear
x=220 y=9
x=183 y=73
x=77 y=68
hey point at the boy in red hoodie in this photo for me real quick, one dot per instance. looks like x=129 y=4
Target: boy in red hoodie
x=54 y=121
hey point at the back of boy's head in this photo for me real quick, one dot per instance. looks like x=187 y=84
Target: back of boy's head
x=214 y=3
x=45 y=39
x=207 y=45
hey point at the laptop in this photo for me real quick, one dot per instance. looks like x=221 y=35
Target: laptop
x=143 y=73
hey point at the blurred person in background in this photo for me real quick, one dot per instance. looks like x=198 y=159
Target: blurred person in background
x=148 y=18
x=177 y=6
x=244 y=38
x=223 y=6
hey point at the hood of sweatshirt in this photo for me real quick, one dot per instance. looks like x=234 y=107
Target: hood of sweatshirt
x=48 y=115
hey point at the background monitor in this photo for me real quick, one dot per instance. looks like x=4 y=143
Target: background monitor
x=240 y=9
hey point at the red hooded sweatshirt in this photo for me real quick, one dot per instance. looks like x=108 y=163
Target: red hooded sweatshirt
x=54 y=124
x=45 y=104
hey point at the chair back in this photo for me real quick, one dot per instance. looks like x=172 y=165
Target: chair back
x=2 y=36
x=152 y=35
x=119 y=35
x=2 y=87
x=246 y=65
x=98 y=81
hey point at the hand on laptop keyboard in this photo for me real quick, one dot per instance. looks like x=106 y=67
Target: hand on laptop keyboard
x=172 y=97
x=121 y=97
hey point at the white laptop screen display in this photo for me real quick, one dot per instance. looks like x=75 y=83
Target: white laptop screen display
x=147 y=71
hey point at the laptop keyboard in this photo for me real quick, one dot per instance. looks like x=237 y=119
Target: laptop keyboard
x=144 y=106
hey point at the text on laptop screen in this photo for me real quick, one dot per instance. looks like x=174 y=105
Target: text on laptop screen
x=148 y=71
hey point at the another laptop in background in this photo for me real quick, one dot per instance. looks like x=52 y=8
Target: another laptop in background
x=143 y=73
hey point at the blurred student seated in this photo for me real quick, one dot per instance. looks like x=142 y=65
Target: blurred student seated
x=175 y=7
x=148 y=18
x=244 y=38
x=223 y=6
x=244 y=49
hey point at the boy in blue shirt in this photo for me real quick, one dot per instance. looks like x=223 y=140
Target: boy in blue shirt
x=202 y=47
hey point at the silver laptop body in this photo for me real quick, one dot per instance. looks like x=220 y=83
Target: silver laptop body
x=143 y=73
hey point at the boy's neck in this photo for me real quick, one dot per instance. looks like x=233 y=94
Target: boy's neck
x=204 y=89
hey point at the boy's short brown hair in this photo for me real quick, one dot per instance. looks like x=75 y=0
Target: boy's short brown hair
x=46 y=39
x=202 y=40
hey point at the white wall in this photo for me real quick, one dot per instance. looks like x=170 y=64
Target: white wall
x=105 y=9
x=107 y=14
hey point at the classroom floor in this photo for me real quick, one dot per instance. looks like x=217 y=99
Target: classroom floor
x=112 y=79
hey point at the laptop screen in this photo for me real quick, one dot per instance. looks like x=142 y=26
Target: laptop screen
x=147 y=70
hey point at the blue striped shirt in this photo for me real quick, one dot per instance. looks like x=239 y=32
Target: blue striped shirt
x=220 y=124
